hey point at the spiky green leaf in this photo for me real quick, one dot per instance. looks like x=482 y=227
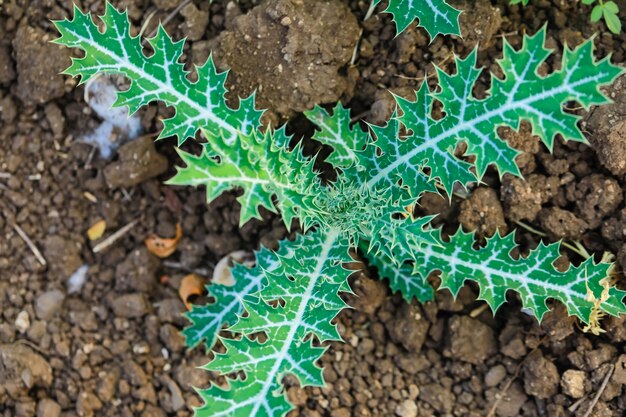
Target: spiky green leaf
x=156 y=77
x=522 y=94
x=263 y=170
x=293 y=307
x=533 y=277
x=207 y=320
x=335 y=130
x=436 y=16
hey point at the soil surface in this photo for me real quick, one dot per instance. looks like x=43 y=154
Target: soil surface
x=91 y=327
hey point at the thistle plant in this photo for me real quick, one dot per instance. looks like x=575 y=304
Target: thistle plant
x=280 y=313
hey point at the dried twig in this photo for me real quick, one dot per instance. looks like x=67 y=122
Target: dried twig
x=605 y=382
x=114 y=237
x=30 y=244
x=177 y=265
x=169 y=17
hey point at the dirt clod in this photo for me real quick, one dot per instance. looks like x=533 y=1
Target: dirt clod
x=562 y=224
x=483 y=213
x=479 y=26
x=541 y=377
x=39 y=65
x=138 y=162
x=469 y=340
x=286 y=50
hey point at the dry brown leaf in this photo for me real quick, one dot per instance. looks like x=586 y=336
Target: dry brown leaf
x=96 y=231
x=190 y=285
x=163 y=247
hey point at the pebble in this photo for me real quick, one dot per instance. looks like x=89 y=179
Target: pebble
x=130 y=305
x=573 y=383
x=408 y=408
x=48 y=304
x=22 y=322
x=48 y=408
x=495 y=375
x=138 y=161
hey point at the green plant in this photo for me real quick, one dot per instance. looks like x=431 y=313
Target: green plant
x=602 y=9
x=281 y=311
x=436 y=16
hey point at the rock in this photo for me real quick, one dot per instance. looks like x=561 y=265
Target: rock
x=619 y=374
x=39 y=65
x=107 y=384
x=407 y=408
x=48 y=304
x=7 y=333
x=540 y=376
x=130 y=305
x=483 y=213
x=170 y=311
x=137 y=272
x=469 y=340
x=135 y=374
x=138 y=162
x=63 y=255
x=152 y=411
x=341 y=412
x=22 y=322
x=175 y=399
x=25 y=408
x=21 y=369
x=573 y=383
x=87 y=403
x=48 y=408
x=196 y=22
x=290 y=52
x=438 y=396
x=172 y=338
x=495 y=375
x=512 y=401
x=408 y=327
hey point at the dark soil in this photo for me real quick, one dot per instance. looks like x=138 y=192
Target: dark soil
x=111 y=347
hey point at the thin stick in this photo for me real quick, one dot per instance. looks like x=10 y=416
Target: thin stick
x=177 y=265
x=169 y=17
x=30 y=244
x=600 y=391
x=370 y=10
x=572 y=408
x=355 y=52
x=114 y=237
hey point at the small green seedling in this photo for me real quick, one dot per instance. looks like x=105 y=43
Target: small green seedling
x=602 y=9
x=280 y=313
